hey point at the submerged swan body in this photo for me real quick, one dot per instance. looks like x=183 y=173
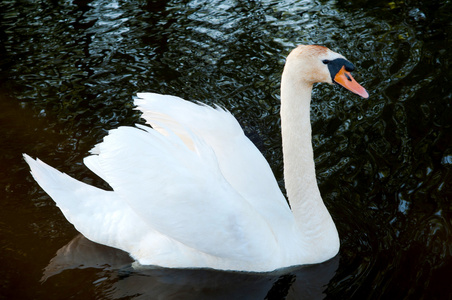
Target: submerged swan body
x=194 y=192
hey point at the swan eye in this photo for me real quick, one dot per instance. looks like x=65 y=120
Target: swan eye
x=326 y=61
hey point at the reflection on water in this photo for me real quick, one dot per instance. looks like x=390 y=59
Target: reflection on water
x=120 y=278
x=68 y=70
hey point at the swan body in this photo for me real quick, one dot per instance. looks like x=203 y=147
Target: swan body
x=194 y=192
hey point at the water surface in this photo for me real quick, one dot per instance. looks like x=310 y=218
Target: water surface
x=68 y=70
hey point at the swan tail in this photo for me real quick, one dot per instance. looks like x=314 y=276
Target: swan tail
x=94 y=212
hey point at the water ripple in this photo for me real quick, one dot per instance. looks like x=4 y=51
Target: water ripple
x=383 y=164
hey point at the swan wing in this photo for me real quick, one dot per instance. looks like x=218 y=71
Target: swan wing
x=181 y=193
x=240 y=162
x=193 y=191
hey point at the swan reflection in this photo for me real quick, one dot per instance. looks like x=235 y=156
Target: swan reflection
x=127 y=279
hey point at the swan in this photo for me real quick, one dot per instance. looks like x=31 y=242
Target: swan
x=192 y=191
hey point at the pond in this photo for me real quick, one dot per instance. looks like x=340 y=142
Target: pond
x=69 y=69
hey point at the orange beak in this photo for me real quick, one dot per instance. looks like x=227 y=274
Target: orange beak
x=345 y=79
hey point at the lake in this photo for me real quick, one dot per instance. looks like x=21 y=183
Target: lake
x=69 y=70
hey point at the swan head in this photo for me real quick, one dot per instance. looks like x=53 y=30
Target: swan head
x=312 y=64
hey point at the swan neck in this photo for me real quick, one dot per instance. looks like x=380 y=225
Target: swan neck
x=311 y=216
x=299 y=169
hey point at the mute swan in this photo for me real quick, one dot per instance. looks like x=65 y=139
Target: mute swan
x=194 y=192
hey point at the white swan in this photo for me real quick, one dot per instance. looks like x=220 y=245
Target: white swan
x=194 y=192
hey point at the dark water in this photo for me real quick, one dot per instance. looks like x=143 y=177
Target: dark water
x=68 y=71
